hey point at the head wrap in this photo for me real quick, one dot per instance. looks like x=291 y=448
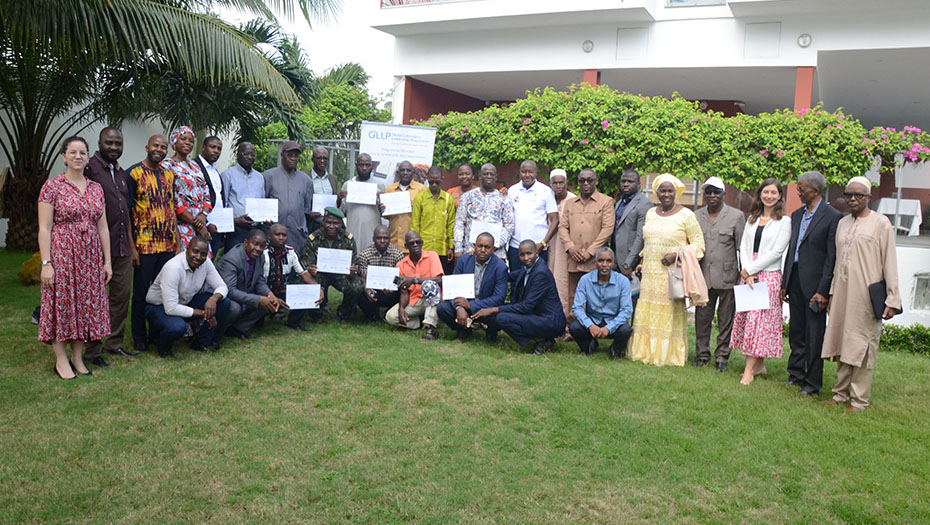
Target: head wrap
x=861 y=180
x=558 y=171
x=176 y=134
x=668 y=177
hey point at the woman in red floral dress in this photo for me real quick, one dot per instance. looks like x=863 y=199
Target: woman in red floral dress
x=74 y=243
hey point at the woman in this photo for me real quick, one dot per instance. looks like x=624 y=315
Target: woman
x=758 y=333
x=74 y=243
x=466 y=183
x=660 y=326
x=191 y=193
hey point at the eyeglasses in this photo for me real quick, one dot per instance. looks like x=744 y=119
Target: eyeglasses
x=857 y=196
x=431 y=182
x=590 y=180
x=413 y=243
x=712 y=191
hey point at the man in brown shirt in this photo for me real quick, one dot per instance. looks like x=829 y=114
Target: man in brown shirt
x=586 y=223
x=104 y=169
x=722 y=227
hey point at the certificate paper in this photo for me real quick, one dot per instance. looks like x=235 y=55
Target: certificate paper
x=222 y=218
x=302 y=296
x=478 y=227
x=322 y=201
x=460 y=285
x=329 y=260
x=361 y=192
x=261 y=210
x=381 y=277
x=752 y=298
x=396 y=202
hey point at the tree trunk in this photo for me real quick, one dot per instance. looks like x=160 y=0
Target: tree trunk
x=20 y=201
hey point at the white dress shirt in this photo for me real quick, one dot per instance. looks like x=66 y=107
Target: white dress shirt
x=216 y=181
x=531 y=208
x=177 y=284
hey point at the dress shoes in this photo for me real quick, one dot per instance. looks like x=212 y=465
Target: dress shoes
x=123 y=352
x=810 y=391
x=543 y=346
x=721 y=367
x=214 y=345
x=57 y=373
x=98 y=361
x=297 y=327
x=490 y=336
x=616 y=352
x=464 y=335
x=198 y=347
x=853 y=408
x=140 y=347
x=830 y=402
x=792 y=382
x=74 y=368
x=237 y=334
x=699 y=362
x=592 y=347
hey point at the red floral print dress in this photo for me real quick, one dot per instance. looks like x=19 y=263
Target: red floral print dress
x=191 y=194
x=76 y=306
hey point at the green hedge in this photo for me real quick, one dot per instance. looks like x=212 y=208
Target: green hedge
x=914 y=339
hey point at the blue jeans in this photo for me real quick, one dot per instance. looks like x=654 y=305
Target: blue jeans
x=513 y=257
x=170 y=328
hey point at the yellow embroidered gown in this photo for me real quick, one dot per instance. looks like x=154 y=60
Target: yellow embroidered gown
x=660 y=326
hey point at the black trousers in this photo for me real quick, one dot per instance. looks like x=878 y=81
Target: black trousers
x=446 y=312
x=382 y=300
x=143 y=277
x=582 y=336
x=805 y=336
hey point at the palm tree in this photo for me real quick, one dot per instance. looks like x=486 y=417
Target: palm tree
x=55 y=53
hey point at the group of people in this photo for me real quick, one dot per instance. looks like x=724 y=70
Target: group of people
x=546 y=264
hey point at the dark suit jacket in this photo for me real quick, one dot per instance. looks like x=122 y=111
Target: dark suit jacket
x=816 y=253
x=203 y=168
x=628 y=235
x=232 y=268
x=493 y=284
x=538 y=297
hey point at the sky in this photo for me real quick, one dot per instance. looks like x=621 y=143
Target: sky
x=347 y=39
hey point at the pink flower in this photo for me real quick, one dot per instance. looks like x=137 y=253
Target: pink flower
x=487 y=118
x=780 y=154
x=584 y=141
x=884 y=137
x=527 y=121
x=430 y=121
x=596 y=146
x=764 y=153
x=839 y=125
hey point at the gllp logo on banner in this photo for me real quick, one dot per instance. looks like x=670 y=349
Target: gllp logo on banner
x=379 y=135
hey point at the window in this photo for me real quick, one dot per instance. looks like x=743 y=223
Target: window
x=921 y=292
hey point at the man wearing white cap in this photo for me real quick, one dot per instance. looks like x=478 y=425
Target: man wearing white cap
x=722 y=227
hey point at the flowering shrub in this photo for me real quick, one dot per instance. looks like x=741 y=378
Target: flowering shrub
x=606 y=130
x=885 y=142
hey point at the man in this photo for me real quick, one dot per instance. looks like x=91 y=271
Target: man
x=433 y=218
x=536 y=215
x=294 y=192
x=808 y=273
x=722 y=227
x=283 y=265
x=418 y=269
x=154 y=228
x=104 y=169
x=210 y=152
x=243 y=271
x=485 y=205
x=490 y=287
x=400 y=223
x=188 y=288
x=629 y=218
x=379 y=253
x=534 y=311
x=865 y=255
x=241 y=182
x=333 y=235
x=362 y=219
x=586 y=224
x=323 y=182
x=602 y=307
x=558 y=259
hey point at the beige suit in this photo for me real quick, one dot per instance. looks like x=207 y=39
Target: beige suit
x=587 y=225
x=558 y=265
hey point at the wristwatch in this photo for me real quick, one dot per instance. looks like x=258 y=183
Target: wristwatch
x=544 y=245
x=45 y=263
x=625 y=267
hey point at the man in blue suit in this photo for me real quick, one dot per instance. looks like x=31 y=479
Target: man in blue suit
x=534 y=312
x=490 y=288
x=602 y=307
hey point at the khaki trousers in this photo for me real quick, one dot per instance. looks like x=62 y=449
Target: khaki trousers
x=119 y=292
x=415 y=313
x=853 y=385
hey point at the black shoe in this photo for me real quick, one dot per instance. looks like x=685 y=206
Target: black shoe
x=74 y=368
x=297 y=327
x=592 y=347
x=721 y=367
x=140 y=347
x=215 y=346
x=57 y=373
x=237 y=334
x=490 y=336
x=197 y=347
x=165 y=352
x=35 y=316
x=616 y=352
x=699 y=362
x=810 y=391
x=543 y=346
x=792 y=382
x=123 y=352
x=98 y=361
x=464 y=335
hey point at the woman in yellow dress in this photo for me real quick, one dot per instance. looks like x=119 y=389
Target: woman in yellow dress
x=660 y=326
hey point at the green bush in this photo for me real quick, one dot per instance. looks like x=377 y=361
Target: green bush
x=914 y=339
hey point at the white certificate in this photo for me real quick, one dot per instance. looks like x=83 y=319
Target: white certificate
x=361 y=192
x=752 y=298
x=478 y=227
x=261 y=210
x=396 y=202
x=381 y=277
x=329 y=260
x=222 y=218
x=460 y=285
x=321 y=201
x=302 y=296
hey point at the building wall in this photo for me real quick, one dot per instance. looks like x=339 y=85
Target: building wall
x=422 y=100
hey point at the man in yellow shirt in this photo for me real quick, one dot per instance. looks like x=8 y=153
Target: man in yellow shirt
x=433 y=217
x=400 y=223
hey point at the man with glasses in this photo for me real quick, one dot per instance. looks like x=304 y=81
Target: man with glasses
x=434 y=218
x=399 y=223
x=722 y=227
x=420 y=277
x=324 y=183
x=487 y=205
x=294 y=192
x=586 y=223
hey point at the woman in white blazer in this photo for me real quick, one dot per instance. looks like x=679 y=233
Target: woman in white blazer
x=758 y=333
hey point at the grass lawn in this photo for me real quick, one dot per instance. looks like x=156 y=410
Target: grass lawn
x=367 y=424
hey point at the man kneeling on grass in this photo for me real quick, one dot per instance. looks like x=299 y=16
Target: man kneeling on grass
x=420 y=274
x=602 y=307
x=176 y=298
x=490 y=287
x=534 y=312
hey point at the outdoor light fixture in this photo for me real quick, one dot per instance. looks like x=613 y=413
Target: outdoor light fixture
x=804 y=40
x=587 y=46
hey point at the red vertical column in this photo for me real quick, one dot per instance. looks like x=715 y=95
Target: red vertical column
x=803 y=93
x=592 y=76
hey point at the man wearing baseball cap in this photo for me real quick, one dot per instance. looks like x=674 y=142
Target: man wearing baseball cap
x=722 y=227
x=294 y=192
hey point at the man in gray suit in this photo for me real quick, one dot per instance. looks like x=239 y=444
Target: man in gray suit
x=722 y=227
x=629 y=217
x=243 y=271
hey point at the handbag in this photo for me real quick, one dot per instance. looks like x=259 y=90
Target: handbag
x=676 y=281
x=878 y=293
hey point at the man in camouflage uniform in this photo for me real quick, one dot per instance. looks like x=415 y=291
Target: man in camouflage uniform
x=333 y=235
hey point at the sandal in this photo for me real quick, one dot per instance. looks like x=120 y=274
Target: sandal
x=431 y=334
